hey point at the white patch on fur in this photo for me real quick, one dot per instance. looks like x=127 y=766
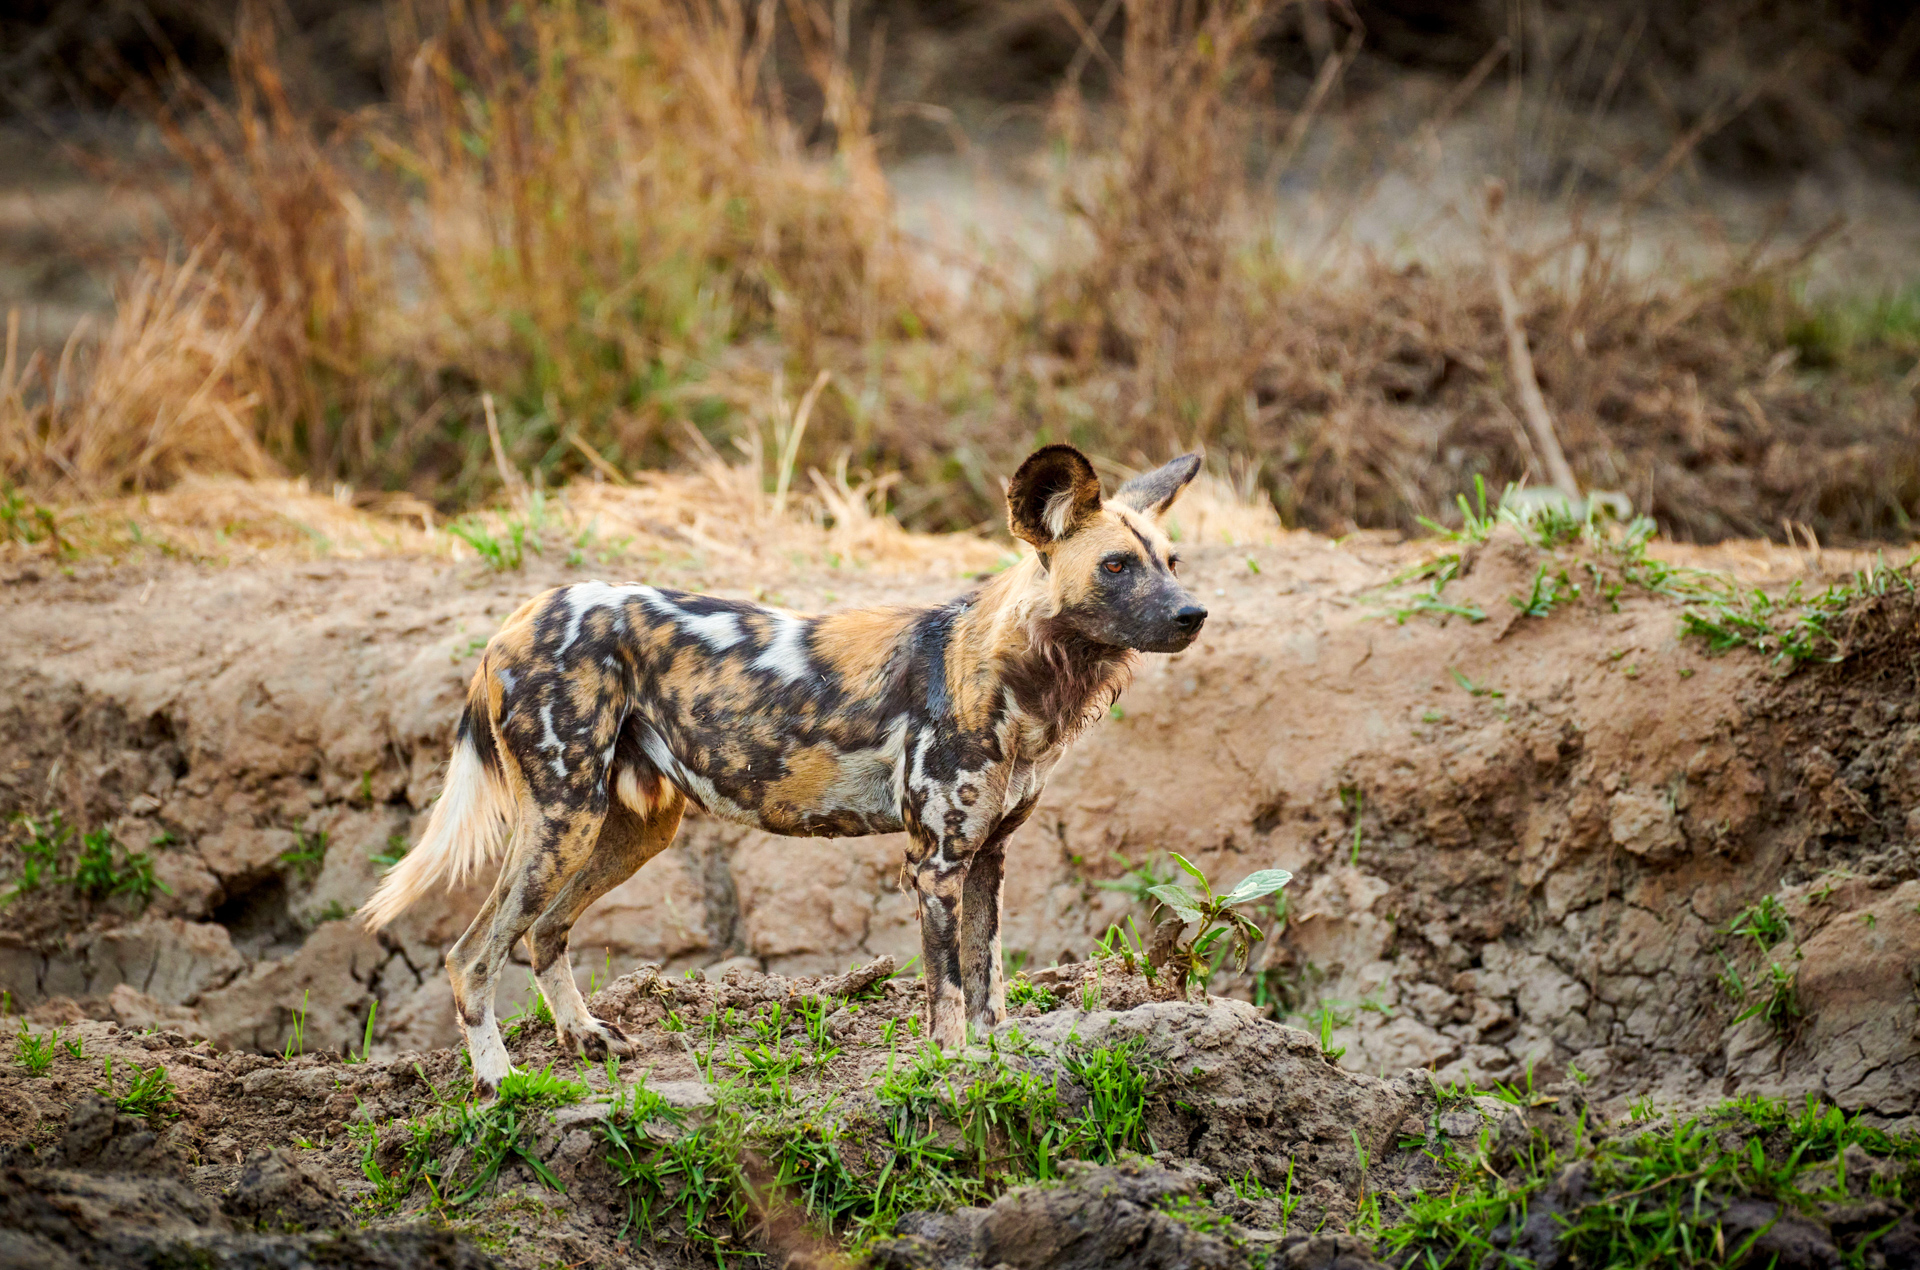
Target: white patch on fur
x=467 y=829
x=506 y=679
x=786 y=652
x=719 y=631
x=486 y=1051
x=551 y=741
x=584 y=597
x=1059 y=508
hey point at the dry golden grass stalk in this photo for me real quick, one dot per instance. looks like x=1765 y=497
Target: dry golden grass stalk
x=1172 y=272
x=172 y=388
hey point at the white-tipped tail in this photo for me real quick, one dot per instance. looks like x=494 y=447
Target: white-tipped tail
x=468 y=827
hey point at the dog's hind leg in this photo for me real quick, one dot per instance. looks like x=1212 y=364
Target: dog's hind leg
x=549 y=848
x=628 y=839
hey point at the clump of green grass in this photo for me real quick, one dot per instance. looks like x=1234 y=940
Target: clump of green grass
x=1790 y=628
x=102 y=868
x=504 y=549
x=150 y=1093
x=1659 y=1196
x=419 y=1162
x=495 y=1134
x=1612 y=557
x=308 y=852
x=46 y=837
x=33 y=1051
x=950 y=1131
x=1024 y=991
x=24 y=520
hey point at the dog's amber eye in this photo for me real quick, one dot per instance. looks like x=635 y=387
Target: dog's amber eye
x=1115 y=566
x=1173 y=564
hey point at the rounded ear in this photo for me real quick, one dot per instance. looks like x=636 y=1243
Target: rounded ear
x=1054 y=493
x=1153 y=492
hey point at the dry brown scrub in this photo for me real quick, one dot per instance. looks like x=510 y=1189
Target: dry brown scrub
x=625 y=223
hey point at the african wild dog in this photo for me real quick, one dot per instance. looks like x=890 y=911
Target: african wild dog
x=599 y=712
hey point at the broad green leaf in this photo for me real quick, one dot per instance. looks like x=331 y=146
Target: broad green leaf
x=1207 y=941
x=1193 y=871
x=1177 y=898
x=1255 y=885
x=1249 y=929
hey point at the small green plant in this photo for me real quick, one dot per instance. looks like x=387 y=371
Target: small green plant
x=1129 y=946
x=535 y=1017
x=1329 y=1020
x=1473 y=689
x=1138 y=880
x=395 y=852
x=1023 y=991
x=150 y=1094
x=297 y=1043
x=1551 y=588
x=814 y=1013
x=304 y=858
x=34 y=1052
x=1765 y=923
x=1779 y=999
x=40 y=853
x=1217 y=916
x=366 y=1039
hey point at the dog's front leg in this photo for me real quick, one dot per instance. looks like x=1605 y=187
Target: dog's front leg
x=980 y=961
x=938 y=881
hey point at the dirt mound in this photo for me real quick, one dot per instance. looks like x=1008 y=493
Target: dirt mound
x=777 y=1117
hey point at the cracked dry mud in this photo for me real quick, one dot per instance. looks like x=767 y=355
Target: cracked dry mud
x=1517 y=843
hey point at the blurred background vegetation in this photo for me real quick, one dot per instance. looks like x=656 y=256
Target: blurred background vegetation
x=431 y=247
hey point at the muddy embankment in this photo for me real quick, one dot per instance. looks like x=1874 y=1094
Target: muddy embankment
x=1517 y=841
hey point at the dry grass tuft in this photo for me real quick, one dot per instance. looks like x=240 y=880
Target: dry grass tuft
x=172 y=388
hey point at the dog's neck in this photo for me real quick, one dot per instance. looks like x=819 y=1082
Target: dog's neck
x=1065 y=681
x=1061 y=680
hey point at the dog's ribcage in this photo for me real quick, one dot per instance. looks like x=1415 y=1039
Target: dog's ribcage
x=835 y=726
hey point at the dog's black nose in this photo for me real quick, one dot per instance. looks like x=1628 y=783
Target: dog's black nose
x=1189 y=618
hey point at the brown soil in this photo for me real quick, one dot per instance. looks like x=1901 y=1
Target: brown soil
x=1516 y=843
x=1538 y=874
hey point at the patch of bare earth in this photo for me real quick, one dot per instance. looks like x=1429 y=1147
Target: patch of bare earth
x=1519 y=843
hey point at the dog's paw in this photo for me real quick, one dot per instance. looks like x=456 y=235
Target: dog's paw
x=596 y=1040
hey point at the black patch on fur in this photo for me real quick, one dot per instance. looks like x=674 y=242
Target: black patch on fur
x=1066 y=679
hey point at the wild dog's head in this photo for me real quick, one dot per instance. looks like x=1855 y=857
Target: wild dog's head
x=1109 y=566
